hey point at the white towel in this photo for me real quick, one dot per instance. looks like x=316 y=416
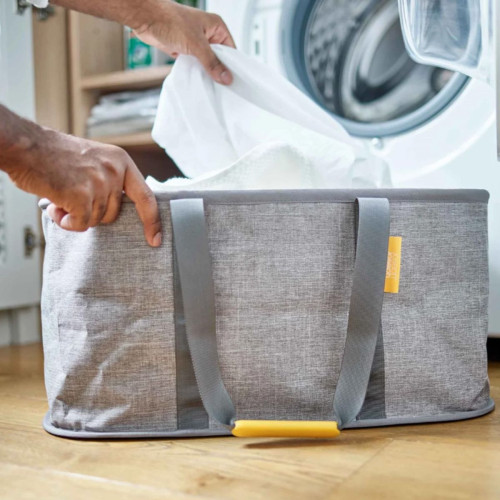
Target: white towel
x=41 y=4
x=272 y=165
x=261 y=132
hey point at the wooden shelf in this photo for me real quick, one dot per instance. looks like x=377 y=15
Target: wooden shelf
x=126 y=80
x=95 y=52
x=137 y=140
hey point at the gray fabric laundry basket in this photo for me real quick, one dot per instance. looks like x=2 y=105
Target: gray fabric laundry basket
x=269 y=306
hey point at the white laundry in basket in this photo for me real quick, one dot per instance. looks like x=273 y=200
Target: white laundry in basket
x=210 y=129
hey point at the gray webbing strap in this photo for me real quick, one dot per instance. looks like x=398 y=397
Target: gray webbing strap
x=365 y=309
x=195 y=272
x=191 y=413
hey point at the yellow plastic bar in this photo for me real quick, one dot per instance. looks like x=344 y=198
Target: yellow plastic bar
x=393 y=265
x=285 y=428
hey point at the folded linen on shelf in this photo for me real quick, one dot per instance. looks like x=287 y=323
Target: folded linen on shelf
x=123 y=113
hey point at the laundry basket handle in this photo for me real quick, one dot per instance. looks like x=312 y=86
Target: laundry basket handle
x=195 y=273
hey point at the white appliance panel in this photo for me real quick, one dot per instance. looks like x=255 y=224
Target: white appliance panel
x=456 y=149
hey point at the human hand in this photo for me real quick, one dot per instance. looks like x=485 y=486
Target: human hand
x=178 y=29
x=84 y=181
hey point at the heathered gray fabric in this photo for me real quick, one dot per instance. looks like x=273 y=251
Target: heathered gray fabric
x=435 y=328
x=282 y=275
x=357 y=424
x=374 y=405
x=194 y=262
x=108 y=328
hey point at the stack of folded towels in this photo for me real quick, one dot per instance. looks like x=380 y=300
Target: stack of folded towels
x=123 y=113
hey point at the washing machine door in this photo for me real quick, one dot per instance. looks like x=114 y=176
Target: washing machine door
x=455 y=34
x=350 y=56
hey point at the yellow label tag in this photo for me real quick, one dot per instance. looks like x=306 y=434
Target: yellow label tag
x=393 y=265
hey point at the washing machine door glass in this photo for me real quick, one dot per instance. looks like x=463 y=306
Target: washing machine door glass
x=454 y=34
x=350 y=56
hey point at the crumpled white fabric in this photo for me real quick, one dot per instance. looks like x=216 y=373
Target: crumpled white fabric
x=261 y=132
x=41 y=4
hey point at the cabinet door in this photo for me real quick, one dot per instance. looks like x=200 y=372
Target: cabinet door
x=19 y=215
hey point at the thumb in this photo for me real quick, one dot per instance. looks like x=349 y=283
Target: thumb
x=78 y=220
x=72 y=222
x=56 y=213
x=212 y=64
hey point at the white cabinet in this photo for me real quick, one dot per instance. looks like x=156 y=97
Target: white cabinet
x=19 y=215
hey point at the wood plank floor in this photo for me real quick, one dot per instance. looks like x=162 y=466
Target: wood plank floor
x=453 y=461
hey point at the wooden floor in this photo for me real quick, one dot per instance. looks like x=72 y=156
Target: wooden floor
x=453 y=461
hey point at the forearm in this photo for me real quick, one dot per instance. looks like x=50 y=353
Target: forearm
x=19 y=140
x=137 y=14
x=83 y=179
x=167 y=25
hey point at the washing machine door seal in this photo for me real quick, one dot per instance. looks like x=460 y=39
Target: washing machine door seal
x=350 y=57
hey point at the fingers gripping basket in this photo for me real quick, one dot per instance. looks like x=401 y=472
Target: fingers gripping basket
x=269 y=313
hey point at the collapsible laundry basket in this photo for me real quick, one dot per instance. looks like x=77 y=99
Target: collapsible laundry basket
x=269 y=313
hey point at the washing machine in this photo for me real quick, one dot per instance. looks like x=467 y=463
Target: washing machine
x=435 y=128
